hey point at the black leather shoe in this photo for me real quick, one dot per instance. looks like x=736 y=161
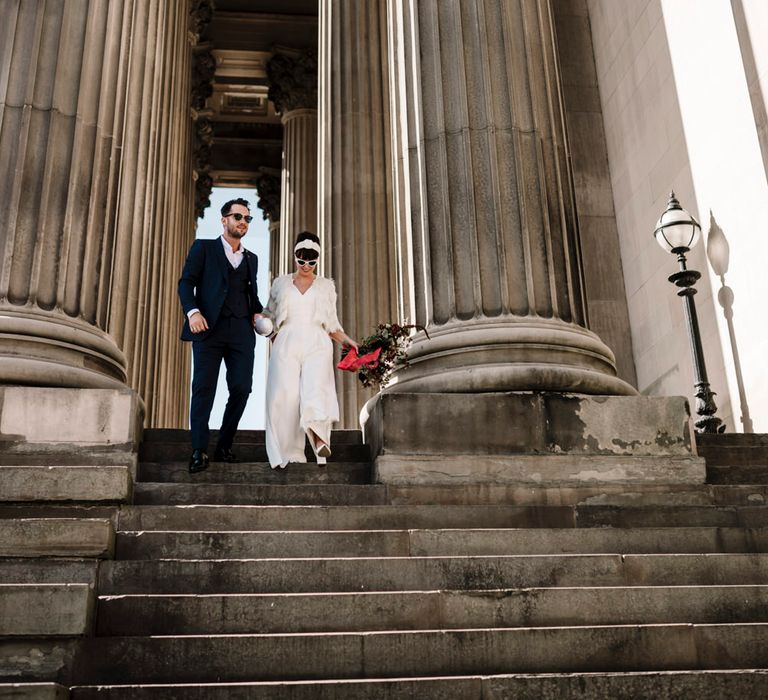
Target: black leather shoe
x=224 y=455
x=198 y=462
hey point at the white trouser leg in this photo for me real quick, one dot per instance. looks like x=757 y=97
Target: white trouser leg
x=319 y=407
x=284 y=435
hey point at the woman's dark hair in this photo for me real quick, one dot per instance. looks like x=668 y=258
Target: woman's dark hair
x=307 y=253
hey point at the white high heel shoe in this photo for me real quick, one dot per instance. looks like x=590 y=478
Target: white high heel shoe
x=322 y=452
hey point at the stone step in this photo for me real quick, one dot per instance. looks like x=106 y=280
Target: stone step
x=254 y=473
x=56 y=537
x=65 y=483
x=378 y=517
x=734 y=449
x=738 y=475
x=33 y=691
x=359 y=475
x=170 y=435
x=141 y=615
x=172 y=495
x=46 y=610
x=437 y=542
x=341 y=517
x=238 y=658
x=708 y=441
x=671 y=516
x=647 y=495
x=48 y=571
x=37 y=660
x=664 y=685
x=427 y=573
x=12 y=511
x=68 y=457
x=247 y=452
x=603 y=494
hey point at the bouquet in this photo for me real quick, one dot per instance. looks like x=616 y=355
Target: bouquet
x=379 y=354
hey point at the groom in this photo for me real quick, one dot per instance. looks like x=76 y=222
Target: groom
x=219 y=297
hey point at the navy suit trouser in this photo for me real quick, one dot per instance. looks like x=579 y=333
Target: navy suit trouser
x=231 y=340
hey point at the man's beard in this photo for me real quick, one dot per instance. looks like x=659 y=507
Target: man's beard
x=235 y=233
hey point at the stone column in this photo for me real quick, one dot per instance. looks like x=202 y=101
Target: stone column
x=482 y=147
x=96 y=211
x=161 y=362
x=268 y=189
x=62 y=74
x=356 y=199
x=155 y=219
x=293 y=90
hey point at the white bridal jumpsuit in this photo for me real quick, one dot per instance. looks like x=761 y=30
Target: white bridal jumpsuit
x=301 y=392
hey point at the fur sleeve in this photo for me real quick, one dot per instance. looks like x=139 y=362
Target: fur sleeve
x=330 y=319
x=276 y=307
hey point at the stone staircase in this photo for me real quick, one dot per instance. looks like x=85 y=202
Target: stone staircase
x=312 y=582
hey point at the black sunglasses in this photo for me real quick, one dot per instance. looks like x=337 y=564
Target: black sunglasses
x=301 y=262
x=238 y=217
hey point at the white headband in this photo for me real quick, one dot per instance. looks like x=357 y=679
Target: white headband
x=307 y=244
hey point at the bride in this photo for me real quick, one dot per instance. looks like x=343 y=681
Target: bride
x=301 y=392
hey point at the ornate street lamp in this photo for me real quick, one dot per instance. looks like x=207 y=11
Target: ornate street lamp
x=677 y=232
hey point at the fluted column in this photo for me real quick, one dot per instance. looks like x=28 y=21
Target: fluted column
x=154 y=223
x=96 y=206
x=482 y=149
x=61 y=80
x=160 y=362
x=356 y=205
x=293 y=90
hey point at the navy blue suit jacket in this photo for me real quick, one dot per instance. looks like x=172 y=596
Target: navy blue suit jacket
x=203 y=283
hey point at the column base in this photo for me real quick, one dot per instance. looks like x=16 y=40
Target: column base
x=65 y=430
x=42 y=348
x=510 y=353
x=531 y=438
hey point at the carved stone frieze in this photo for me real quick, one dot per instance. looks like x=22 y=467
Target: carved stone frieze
x=292 y=79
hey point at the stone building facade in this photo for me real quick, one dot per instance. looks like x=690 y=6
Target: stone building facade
x=489 y=169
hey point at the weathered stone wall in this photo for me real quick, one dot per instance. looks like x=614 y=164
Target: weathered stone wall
x=648 y=156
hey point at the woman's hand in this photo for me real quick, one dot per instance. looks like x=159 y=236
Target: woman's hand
x=343 y=339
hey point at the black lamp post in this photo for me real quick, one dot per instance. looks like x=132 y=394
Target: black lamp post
x=677 y=232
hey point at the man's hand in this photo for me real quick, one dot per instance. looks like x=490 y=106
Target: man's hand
x=255 y=317
x=197 y=323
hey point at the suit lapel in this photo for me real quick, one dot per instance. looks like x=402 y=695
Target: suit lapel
x=250 y=258
x=221 y=257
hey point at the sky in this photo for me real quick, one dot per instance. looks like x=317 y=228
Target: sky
x=257 y=241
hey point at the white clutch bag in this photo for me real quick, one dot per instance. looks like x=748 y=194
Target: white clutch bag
x=264 y=326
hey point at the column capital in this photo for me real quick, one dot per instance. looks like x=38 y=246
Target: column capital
x=203 y=70
x=200 y=16
x=201 y=165
x=268 y=189
x=292 y=76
